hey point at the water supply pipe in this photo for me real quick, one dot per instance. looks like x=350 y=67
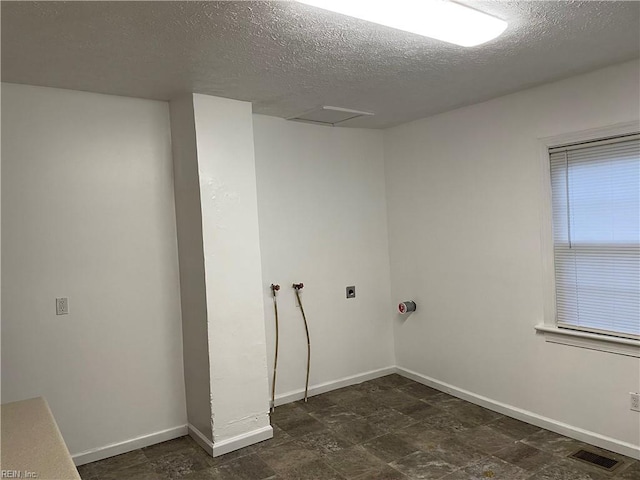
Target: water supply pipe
x=297 y=287
x=274 y=289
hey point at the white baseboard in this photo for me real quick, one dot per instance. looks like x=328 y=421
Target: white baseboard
x=240 y=441
x=114 y=449
x=201 y=439
x=224 y=446
x=231 y=444
x=586 y=436
x=295 y=395
x=264 y=433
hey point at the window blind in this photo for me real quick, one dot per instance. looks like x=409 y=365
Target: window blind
x=596 y=230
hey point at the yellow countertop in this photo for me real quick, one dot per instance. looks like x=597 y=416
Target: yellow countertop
x=31 y=444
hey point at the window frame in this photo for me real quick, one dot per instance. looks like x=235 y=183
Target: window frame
x=549 y=327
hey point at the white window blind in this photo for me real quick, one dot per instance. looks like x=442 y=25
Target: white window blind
x=596 y=229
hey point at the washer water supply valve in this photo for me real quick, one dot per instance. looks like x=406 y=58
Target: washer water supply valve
x=406 y=307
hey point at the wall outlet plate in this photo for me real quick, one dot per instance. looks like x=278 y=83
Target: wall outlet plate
x=62 y=306
x=635 y=401
x=351 y=291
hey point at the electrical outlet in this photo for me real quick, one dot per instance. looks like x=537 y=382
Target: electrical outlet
x=62 y=306
x=635 y=401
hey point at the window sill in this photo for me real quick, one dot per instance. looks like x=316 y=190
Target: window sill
x=592 y=341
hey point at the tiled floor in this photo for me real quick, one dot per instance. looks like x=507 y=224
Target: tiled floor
x=390 y=428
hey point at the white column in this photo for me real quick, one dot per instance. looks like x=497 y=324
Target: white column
x=195 y=326
x=228 y=300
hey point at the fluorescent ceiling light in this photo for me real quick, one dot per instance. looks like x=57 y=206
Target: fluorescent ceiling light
x=439 y=19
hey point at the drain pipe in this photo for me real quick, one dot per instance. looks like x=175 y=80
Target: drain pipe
x=274 y=289
x=297 y=287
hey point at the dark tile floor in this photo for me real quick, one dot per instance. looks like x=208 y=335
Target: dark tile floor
x=390 y=428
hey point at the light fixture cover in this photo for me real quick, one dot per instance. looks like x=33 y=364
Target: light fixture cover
x=439 y=19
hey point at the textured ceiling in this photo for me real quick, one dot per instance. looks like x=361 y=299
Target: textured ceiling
x=287 y=58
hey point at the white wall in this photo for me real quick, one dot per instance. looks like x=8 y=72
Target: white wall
x=195 y=327
x=321 y=201
x=88 y=213
x=467 y=185
x=231 y=246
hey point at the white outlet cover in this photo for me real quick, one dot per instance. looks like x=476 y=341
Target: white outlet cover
x=635 y=401
x=62 y=306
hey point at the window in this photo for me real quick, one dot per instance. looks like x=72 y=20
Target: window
x=595 y=191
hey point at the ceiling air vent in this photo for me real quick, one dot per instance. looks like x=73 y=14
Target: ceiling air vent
x=326 y=115
x=594 y=459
